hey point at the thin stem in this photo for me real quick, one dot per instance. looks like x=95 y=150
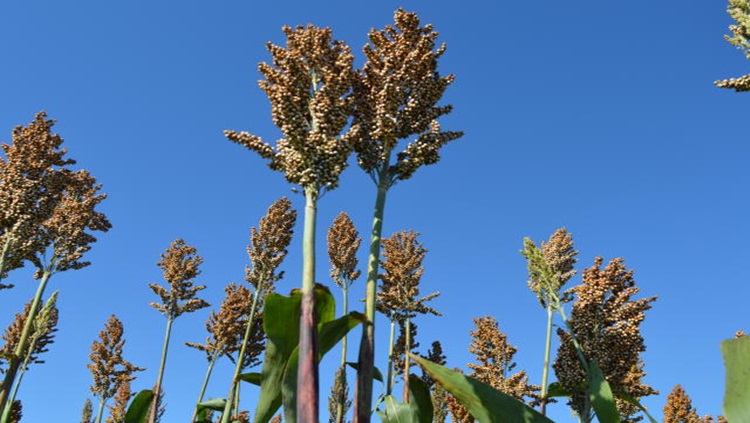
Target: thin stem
x=160 y=375
x=307 y=373
x=389 y=377
x=100 y=412
x=240 y=358
x=4 y=254
x=366 y=363
x=205 y=385
x=15 y=361
x=545 y=371
x=340 y=405
x=407 y=362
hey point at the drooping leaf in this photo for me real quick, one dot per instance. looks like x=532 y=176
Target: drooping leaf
x=254 y=378
x=216 y=404
x=486 y=404
x=329 y=334
x=736 y=353
x=601 y=396
x=139 y=407
x=420 y=401
x=635 y=402
x=377 y=374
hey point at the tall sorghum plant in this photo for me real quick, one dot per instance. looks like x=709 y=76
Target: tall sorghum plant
x=396 y=96
x=308 y=85
x=550 y=268
x=67 y=215
x=605 y=323
x=42 y=335
x=179 y=263
x=267 y=250
x=398 y=298
x=343 y=244
x=108 y=367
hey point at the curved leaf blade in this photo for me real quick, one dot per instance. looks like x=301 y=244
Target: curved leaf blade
x=736 y=353
x=486 y=404
x=139 y=407
x=601 y=396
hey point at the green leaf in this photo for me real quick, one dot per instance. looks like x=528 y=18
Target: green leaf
x=420 y=401
x=555 y=389
x=329 y=334
x=377 y=374
x=635 y=402
x=736 y=353
x=486 y=404
x=216 y=404
x=601 y=396
x=139 y=407
x=255 y=378
x=395 y=412
x=281 y=323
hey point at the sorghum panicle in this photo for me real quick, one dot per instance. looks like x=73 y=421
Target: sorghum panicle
x=179 y=263
x=343 y=243
x=108 y=367
x=268 y=246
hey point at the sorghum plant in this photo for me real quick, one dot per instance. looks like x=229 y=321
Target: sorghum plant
x=60 y=241
x=308 y=86
x=108 y=367
x=398 y=297
x=550 y=268
x=29 y=178
x=42 y=334
x=122 y=398
x=87 y=413
x=267 y=250
x=179 y=263
x=396 y=96
x=343 y=244
x=739 y=10
x=605 y=321
x=494 y=356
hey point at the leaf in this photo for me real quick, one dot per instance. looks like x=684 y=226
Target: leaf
x=377 y=374
x=395 y=412
x=216 y=404
x=420 y=401
x=329 y=334
x=601 y=396
x=486 y=404
x=736 y=353
x=139 y=408
x=635 y=402
x=555 y=389
x=255 y=378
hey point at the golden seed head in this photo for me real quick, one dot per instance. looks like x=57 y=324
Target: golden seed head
x=268 y=246
x=343 y=243
x=109 y=369
x=179 y=263
x=402 y=265
x=396 y=96
x=606 y=321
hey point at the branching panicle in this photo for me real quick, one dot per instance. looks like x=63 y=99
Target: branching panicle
x=343 y=243
x=108 y=367
x=268 y=246
x=180 y=264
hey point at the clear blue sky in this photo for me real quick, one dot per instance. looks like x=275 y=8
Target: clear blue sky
x=597 y=116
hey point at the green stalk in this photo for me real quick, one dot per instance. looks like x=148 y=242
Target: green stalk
x=545 y=371
x=365 y=371
x=226 y=414
x=307 y=374
x=205 y=385
x=100 y=412
x=14 y=362
x=407 y=362
x=9 y=404
x=340 y=405
x=389 y=378
x=160 y=375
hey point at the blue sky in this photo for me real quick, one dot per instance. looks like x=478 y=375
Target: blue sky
x=598 y=116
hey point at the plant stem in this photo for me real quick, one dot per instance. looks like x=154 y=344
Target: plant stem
x=100 y=412
x=205 y=385
x=545 y=371
x=226 y=414
x=307 y=373
x=160 y=375
x=366 y=363
x=4 y=255
x=407 y=362
x=15 y=361
x=389 y=378
x=340 y=405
